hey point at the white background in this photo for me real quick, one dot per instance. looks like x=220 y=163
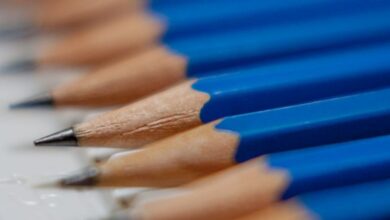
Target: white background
x=22 y=165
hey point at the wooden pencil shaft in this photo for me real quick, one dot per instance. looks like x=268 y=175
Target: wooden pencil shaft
x=204 y=150
x=170 y=162
x=57 y=14
x=224 y=99
x=97 y=88
x=113 y=43
x=159 y=114
x=183 y=161
x=104 y=42
x=290 y=210
x=211 y=201
x=214 y=196
x=124 y=81
x=362 y=201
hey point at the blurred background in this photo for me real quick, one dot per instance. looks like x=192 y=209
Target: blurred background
x=21 y=165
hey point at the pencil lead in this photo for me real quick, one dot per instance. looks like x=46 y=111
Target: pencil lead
x=17 y=31
x=42 y=100
x=23 y=65
x=88 y=177
x=47 y=185
x=65 y=137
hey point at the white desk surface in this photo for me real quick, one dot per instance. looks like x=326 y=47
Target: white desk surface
x=22 y=165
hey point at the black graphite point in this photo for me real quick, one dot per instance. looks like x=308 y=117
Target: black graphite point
x=88 y=177
x=66 y=138
x=23 y=65
x=42 y=100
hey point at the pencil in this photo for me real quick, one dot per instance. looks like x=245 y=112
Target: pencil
x=196 y=102
x=224 y=143
x=228 y=48
x=63 y=13
x=48 y=15
x=96 y=89
x=259 y=183
x=360 y=202
x=42 y=16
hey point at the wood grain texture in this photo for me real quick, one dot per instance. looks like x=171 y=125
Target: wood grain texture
x=226 y=195
x=114 y=38
x=290 y=210
x=153 y=118
x=124 y=81
x=60 y=13
x=173 y=161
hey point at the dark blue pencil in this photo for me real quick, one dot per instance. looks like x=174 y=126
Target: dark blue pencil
x=340 y=24
x=236 y=139
x=200 y=101
x=257 y=183
x=359 y=202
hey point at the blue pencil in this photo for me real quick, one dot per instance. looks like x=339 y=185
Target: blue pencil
x=205 y=17
x=63 y=14
x=192 y=17
x=256 y=44
x=339 y=24
x=258 y=183
x=226 y=142
x=247 y=90
x=359 y=202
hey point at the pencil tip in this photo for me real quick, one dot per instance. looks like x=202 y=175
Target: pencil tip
x=42 y=100
x=88 y=177
x=46 y=185
x=23 y=65
x=17 y=31
x=65 y=137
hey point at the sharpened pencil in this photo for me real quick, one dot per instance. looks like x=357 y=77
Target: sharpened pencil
x=43 y=16
x=225 y=48
x=115 y=84
x=65 y=13
x=259 y=183
x=196 y=102
x=262 y=182
x=49 y=15
x=226 y=142
x=360 y=202
x=288 y=210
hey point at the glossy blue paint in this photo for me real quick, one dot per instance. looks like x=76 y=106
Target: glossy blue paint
x=255 y=45
x=295 y=81
x=220 y=15
x=311 y=124
x=334 y=165
x=370 y=201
